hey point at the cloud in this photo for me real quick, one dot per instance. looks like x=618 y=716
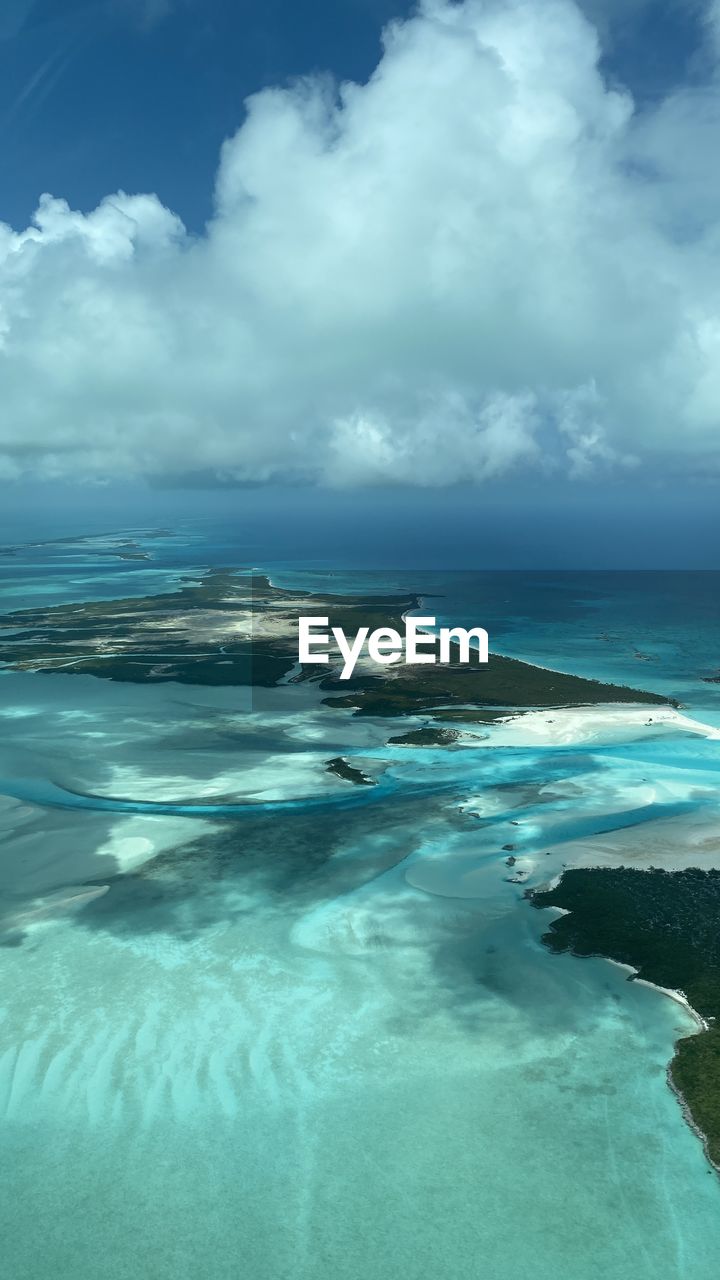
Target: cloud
x=483 y=261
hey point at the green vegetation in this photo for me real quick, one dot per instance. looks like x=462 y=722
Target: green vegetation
x=425 y=738
x=348 y=772
x=503 y=682
x=194 y=635
x=664 y=924
x=235 y=628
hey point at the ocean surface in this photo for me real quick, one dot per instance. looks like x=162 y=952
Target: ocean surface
x=255 y=1022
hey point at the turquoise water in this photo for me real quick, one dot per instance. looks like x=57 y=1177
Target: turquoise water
x=255 y=1023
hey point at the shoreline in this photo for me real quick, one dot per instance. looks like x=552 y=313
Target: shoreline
x=587 y=723
x=685 y=1111
x=527 y=662
x=701 y=1025
x=679 y=997
x=602 y=908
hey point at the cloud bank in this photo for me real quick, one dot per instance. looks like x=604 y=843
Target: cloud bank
x=483 y=261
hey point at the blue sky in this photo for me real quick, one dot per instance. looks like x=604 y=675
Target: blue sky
x=287 y=244
x=140 y=94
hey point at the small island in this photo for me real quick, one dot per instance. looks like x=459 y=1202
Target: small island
x=665 y=925
x=427 y=737
x=341 y=768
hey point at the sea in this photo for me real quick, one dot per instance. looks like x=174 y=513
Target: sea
x=256 y=1022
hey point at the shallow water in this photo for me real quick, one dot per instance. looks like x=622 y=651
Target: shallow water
x=278 y=1027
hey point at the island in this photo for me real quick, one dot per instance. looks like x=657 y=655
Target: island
x=664 y=924
x=234 y=627
x=427 y=737
x=342 y=768
x=119 y=546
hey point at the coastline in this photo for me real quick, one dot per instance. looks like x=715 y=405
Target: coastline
x=701 y=1024
x=571 y=725
x=686 y=1111
x=540 y=666
x=674 y=993
x=652 y=923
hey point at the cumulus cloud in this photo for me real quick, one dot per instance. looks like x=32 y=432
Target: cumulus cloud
x=483 y=260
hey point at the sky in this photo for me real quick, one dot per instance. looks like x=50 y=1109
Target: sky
x=352 y=245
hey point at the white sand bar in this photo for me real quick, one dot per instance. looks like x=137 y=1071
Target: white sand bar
x=606 y=722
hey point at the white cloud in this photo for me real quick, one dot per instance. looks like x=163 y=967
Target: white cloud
x=441 y=441
x=482 y=260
